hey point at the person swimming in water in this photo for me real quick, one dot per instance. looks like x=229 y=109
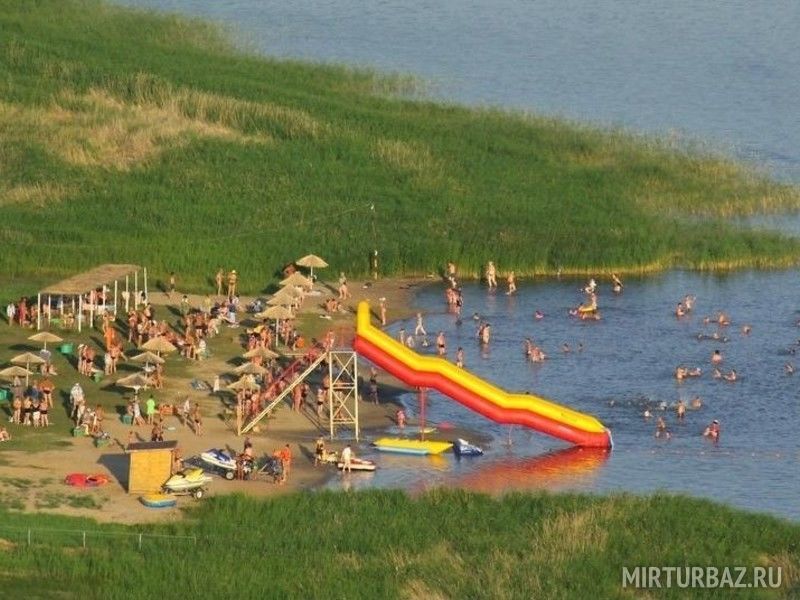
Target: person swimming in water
x=788 y=368
x=731 y=376
x=716 y=358
x=616 y=282
x=661 y=429
x=538 y=315
x=680 y=410
x=713 y=431
x=680 y=310
x=696 y=403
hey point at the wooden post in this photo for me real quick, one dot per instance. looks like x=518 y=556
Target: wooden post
x=38 y=311
x=115 y=298
x=127 y=294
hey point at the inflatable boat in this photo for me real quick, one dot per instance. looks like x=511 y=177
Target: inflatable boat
x=462 y=447
x=418 y=447
x=158 y=500
x=358 y=464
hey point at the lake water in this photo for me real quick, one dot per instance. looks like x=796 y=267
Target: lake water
x=725 y=73
x=721 y=73
x=626 y=365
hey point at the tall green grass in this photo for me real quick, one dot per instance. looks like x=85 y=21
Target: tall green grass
x=132 y=137
x=383 y=544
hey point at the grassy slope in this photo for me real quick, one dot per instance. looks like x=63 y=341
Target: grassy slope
x=385 y=545
x=126 y=136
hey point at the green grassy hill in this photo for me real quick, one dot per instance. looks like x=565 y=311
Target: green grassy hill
x=127 y=136
x=383 y=544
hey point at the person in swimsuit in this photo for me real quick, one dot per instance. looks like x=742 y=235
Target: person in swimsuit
x=319 y=451
x=441 y=344
x=713 y=431
x=460 y=357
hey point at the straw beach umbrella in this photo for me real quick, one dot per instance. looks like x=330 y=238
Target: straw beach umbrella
x=45 y=337
x=135 y=382
x=297 y=279
x=148 y=358
x=278 y=311
x=312 y=261
x=15 y=371
x=159 y=345
x=250 y=369
x=245 y=383
x=28 y=359
x=260 y=352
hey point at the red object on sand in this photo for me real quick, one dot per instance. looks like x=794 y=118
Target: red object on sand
x=84 y=480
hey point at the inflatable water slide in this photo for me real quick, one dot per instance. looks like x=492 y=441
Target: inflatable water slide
x=472 y=391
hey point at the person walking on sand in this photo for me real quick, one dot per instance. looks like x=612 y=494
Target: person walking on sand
x=420 y=328
x=186 y=411
x=218 y=278
x=150 y=409
x=491 y=275
x=198 y=419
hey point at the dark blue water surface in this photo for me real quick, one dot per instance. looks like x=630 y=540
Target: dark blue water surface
x=627 y=364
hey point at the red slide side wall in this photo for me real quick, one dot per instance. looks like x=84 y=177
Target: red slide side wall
x=477 y=403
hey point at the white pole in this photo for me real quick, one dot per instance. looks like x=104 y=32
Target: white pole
x=330 y=392
x=136 y=289
x=127 y=294
x=115 y=298
x=38 y=311
x=49 y=309
x=146 y=298
x=93 y=303
x=80 y=311
x=355 y=389
x=73 y=307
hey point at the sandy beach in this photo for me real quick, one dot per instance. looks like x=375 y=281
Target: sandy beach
x=34 y=481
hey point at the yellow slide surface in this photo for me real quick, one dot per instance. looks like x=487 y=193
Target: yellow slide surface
x=492 y=393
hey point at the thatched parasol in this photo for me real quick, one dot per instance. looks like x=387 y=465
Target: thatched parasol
x=147 y=358
x=159 y=345
x=15 y=371
x=135 y=381
x=297 y=279
x=245 y=383
x=45 y=337
x=28 y=359
x=262 y=352
x=278 y=311
x=311 y=261
x=250 y=369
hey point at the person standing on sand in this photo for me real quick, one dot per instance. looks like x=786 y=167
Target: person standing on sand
x=373 y=264
x=171 y=286
x=382 y=309
x=491 y=275
x=285 y=456
x=218 y=278
x=198 y=419
x=233 y=279
x=150 y=409
x=11 y=312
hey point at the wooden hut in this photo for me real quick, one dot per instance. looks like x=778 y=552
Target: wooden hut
x=150 y=465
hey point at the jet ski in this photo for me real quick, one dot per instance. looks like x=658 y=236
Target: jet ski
x=462 y=447
x=223 y=463
x=190 y=482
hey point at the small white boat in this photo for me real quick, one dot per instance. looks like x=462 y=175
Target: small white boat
x=358 y=464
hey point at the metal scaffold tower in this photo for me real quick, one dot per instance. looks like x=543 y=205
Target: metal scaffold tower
x=343 y=391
